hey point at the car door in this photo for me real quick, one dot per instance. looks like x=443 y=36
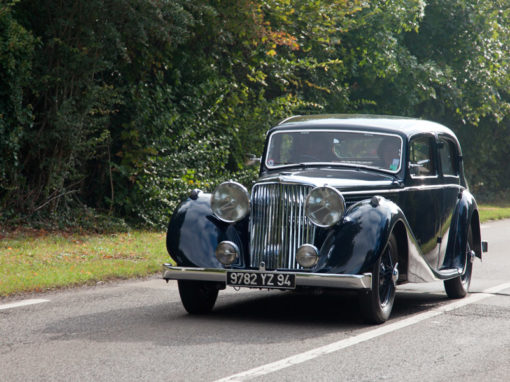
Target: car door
x=448 y=155
x=422 y=200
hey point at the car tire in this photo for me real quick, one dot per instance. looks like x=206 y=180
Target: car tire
x=377 y=303
x=198 y=297
x=458 y=287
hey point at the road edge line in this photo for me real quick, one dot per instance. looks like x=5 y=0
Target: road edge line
x=21 y=303
x=347 y=342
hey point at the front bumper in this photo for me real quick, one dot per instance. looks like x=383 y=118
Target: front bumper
x=321 y=280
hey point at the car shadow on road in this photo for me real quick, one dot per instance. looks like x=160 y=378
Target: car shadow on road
x=252 y=317
x=329 y=308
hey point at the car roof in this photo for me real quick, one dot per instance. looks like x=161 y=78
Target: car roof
x=384 y=123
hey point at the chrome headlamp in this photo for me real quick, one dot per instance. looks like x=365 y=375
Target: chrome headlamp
x=307 y=256
x=324 y=206
x=230 y=202
x=227 y=252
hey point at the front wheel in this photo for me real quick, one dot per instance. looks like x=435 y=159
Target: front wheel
x=459 y=286
x=377 y=303
x=198 y=297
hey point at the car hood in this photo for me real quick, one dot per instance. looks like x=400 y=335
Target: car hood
x=341 y=179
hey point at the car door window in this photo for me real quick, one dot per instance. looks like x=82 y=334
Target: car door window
x=421 y=159
x=448 y=157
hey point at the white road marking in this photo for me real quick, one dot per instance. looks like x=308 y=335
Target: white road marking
x=22 y=303
x=342 y=344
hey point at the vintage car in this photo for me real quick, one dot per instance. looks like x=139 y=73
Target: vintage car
x=361 y=203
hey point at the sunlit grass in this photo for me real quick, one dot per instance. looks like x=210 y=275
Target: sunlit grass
x=35 y=260
x=493 y=212
x=38 y=260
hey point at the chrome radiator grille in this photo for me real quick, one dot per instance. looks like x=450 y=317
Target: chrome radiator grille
x=278 y=225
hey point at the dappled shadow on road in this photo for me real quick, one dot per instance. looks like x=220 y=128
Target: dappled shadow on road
x=245 y=318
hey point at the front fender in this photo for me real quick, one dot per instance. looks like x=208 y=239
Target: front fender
x=194 y=233
x=353 y=246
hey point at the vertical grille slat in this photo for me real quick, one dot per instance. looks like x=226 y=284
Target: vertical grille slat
x=285 y=236
x=278 y=225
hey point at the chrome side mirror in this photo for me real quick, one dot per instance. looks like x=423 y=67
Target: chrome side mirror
x=251 y=160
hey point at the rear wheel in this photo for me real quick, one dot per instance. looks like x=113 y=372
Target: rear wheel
x=198 y=297
x=459 y=286
x=376 y=304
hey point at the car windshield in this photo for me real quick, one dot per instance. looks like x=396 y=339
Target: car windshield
x=353 y=148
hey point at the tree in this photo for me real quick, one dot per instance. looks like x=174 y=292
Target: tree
x=16 y=55
x=126 y=105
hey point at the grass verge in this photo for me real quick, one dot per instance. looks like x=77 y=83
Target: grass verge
x=37 y=260
x=493 y=212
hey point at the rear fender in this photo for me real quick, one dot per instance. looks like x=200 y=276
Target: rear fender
x=464 y=216
x=194 y=233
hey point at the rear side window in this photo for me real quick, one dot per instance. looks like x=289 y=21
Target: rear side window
x=448 y=157
x=421 y=160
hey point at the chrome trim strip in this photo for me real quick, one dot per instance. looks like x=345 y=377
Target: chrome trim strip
x=424 y=177
x=324 y=280
x=189 y=273
x=404 y=189
x=287 y=119
x=393 y=189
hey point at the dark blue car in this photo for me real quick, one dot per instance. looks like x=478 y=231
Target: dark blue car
x=361 y=203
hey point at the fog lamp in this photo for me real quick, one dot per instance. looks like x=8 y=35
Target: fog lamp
x=307 y=255
x=227 y=252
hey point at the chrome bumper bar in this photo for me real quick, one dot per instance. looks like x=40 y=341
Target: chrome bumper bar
x=323 y=280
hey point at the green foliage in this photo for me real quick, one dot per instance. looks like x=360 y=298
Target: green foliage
x=465 y=44
x=124 y=106
x=16 y=53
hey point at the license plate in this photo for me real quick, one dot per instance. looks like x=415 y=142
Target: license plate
x=261 y=280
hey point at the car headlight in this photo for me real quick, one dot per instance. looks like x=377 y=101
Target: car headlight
x=230 y=202
x=324 y=206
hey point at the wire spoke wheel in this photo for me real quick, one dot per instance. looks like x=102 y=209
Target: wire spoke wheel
x=377 y=303
x=386 y=285
x=458 y=287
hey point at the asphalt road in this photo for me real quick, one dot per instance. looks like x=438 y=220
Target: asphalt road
x=138 y=330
